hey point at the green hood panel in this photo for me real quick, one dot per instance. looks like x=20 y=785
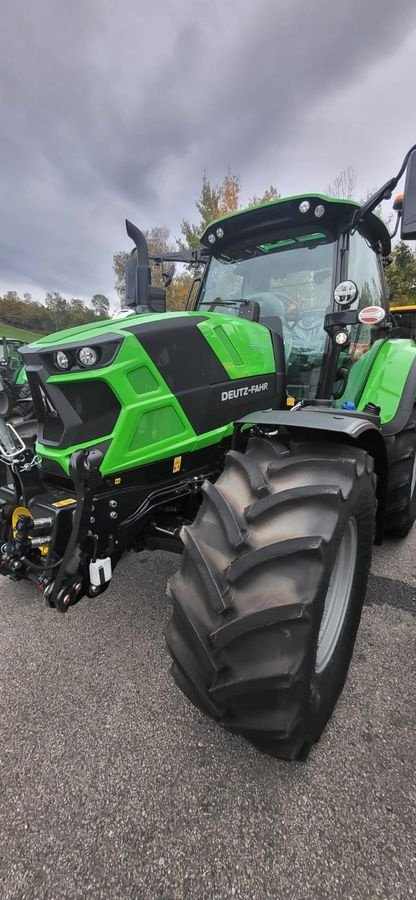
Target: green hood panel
x=379 y=377
x=86 y=332
x=154 y=421
x=387 y=377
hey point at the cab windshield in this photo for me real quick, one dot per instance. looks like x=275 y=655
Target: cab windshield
x=292 y=282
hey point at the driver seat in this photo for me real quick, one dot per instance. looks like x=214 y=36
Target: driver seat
x=272 y=310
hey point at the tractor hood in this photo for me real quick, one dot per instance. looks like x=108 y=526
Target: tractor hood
x=95 y=329
x=138 y=386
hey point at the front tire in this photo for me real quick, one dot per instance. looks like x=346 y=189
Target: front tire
x=6 y=404
x=281 y=531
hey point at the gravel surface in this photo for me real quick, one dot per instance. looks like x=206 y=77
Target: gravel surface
x=113 y=786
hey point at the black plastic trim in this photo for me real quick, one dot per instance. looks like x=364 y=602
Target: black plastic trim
x=108 y=344
x=82 y=410
x=318 y=418
x=180 y=352
x=197 y=377
x=208 y=407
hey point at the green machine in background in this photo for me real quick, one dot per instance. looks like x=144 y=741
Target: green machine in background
x=268 y=434
x=14 y=390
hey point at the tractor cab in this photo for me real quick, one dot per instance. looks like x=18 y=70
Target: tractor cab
x=293 y=266
x=10 y=357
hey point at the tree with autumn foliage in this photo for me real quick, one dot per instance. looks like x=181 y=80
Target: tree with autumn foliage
x=218 y=201
x=401 y=275
x=213 y=202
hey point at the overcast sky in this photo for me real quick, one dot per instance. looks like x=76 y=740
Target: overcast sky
x=114 y=109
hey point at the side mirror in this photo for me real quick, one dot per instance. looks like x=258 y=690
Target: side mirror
x=168 y=275
x=157 y=299
x=408 y=226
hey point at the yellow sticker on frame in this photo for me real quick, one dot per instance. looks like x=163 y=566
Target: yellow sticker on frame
x=177 y=462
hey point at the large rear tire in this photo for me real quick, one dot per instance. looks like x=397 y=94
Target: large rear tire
x=268 y=599
x=25 y=402
x=401 y=490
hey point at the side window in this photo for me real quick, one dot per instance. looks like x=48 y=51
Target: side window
x=190 y=300
x=363 y=268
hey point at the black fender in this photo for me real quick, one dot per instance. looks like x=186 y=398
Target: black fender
x=326 y=424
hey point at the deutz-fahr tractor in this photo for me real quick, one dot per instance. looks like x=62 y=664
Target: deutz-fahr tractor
x=267 y=433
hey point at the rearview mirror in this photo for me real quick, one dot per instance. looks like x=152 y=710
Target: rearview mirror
x=168 y=275
x=157 y=299
x=408 y=226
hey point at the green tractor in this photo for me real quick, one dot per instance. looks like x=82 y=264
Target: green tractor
x=14 y=389
x=268 y=434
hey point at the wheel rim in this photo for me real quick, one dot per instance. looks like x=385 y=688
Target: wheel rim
x=413 y=481
x=338 y=595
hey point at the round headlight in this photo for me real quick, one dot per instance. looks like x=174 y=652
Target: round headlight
x=304 y=206
x=211 y=238
x=61 y=360
x=87 y=356
x=319 y=210
x=219 y=232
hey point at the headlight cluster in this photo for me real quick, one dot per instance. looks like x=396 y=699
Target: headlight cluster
x=86 y=357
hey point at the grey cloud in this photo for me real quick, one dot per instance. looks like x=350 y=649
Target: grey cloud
x=113 y=109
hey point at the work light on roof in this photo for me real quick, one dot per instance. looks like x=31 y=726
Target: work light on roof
x=319 y=210
x=219 y=232
x=304 y=206
x=211 y=238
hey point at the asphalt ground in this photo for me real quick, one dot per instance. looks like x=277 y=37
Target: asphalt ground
x=113 y=786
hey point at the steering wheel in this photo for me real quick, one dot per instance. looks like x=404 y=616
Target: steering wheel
x=286 y=300
x=309 y=319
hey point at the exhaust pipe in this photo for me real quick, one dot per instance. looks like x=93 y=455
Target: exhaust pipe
x=138 y=275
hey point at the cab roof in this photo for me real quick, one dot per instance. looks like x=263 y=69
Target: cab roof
x=304 y=219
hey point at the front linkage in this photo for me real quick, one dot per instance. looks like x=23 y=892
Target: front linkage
x=68 y=540
x=46 y=534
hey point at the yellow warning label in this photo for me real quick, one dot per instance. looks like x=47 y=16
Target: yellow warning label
x=290 y=401
x=66 y=502
x=177 y=462
x=117 y=481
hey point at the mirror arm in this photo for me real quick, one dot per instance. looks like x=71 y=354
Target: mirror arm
x=189 y=257
x=383 y=193
x=396 y=227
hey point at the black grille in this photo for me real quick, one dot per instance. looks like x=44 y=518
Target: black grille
x=74 y=412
